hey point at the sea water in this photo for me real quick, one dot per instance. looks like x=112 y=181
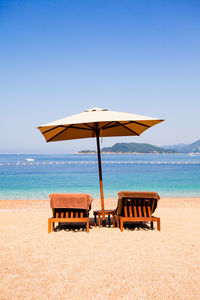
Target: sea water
x=36 y=176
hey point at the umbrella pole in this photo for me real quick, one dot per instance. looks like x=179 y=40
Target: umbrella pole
x=100 y=176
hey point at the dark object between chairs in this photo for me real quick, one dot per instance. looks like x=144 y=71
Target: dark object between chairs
x=98 y=214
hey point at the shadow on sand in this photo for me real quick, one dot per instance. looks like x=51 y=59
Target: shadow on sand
x=78 y=227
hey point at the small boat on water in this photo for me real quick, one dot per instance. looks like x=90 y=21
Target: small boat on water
x=194 y=154
x=30 y=159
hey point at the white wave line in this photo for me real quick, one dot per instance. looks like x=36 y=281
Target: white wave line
x=104 y=162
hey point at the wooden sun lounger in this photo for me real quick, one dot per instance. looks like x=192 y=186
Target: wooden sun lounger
x=69 y=208
x=137 y=208
x=67 y=215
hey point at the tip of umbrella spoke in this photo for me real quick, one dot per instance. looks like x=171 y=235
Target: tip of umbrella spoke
x=95 y=109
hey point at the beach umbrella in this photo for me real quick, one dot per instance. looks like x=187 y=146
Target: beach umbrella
x=97 y=122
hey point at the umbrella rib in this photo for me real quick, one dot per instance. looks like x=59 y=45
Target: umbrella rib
x=66 y=127
x=58 y=133
x=105 y=126
x=128 y=128
x=130 y=122
x=92 y=128
x=52 y=128
x=139 y=124
x=77 y=127
x=72 y=126
x=114 y=125
x=117 y=124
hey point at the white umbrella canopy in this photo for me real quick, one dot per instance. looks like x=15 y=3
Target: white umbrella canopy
x=84 y=125
x=97 y=122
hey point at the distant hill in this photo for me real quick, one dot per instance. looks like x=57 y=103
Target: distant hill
x=178 y=147
x=147 y=148
x=185 y=148
x=130 y=148
x=86 y=152
x=194 y=147
x=135 y=148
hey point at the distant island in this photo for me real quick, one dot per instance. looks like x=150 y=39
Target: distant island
x=143 y=148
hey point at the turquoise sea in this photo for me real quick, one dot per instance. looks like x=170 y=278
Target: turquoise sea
x=175 y=175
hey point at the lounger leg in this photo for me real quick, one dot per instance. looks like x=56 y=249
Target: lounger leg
x=87 y=225
x=121 y=224
x=49 y=226
x=109 y=220
x=95 y=220
x=99 y=220
x=158 y=224
x=113 y=220
x=152 y=225
x=117 y=221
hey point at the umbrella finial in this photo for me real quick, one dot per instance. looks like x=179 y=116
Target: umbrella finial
x=95 y=109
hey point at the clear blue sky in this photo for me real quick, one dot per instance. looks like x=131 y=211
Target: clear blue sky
x=59 y=58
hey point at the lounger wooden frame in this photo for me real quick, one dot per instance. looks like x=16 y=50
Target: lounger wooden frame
x=137 y=210
x=65 y=215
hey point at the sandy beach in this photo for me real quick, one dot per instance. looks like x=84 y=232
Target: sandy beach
x=104 y=264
